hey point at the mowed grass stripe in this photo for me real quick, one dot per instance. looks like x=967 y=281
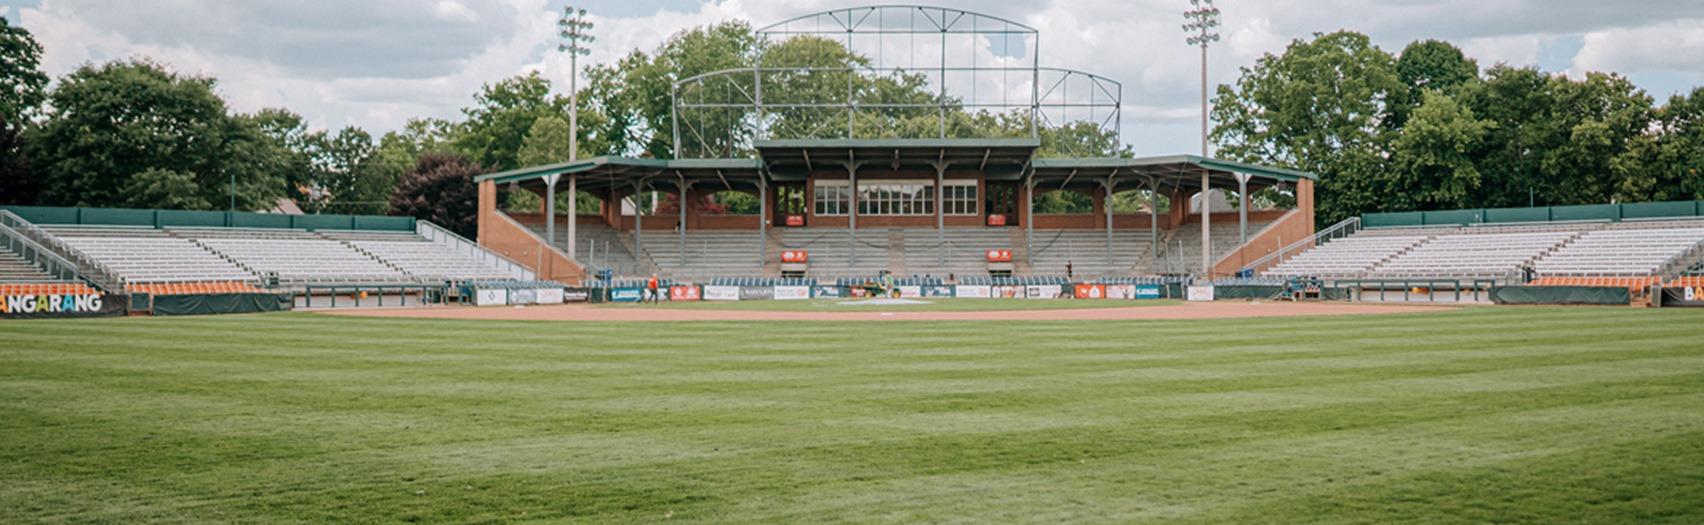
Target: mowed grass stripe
x=302 y=417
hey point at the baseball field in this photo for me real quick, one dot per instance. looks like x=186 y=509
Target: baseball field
x=1478 y=415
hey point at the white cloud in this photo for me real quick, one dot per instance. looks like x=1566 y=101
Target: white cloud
x=376 y=63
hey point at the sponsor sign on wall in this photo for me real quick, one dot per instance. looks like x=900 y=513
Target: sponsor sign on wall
x=721 y=293
x=548 y=295
x=795 y=256
x=684 y=293
x=998 y=256
x=1008 y=291
x=830 y=291
x=490 y=297
x=523 y=296
x=909 y=292
x=792 y=293
x=61 y=305
x=1683 y=296
x=1090 y=291
x=1200 y=293
x=576 y=295
x=973 y=291
x=1043 y=291
x=937 y=291
x=626 y=295
x=1148 y=291
x=756 y=293
x=1121 y=291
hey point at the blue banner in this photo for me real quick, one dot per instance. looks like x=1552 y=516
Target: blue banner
x=1147 y=291
x=626 y=295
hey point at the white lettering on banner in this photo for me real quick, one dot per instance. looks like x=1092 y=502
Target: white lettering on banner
x=1201 y=293
x=1042 y=291
x=974 y=291
x=792 y=292
x=70 y=303
x=548 y=295
x=721 y=293
x=909 y=292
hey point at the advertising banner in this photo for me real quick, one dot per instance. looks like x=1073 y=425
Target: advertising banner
x=792 y=293
x=523 y=296
x=721 y=293
x=1200 y=293
x=686 y=292
x=1043 y=291
x=756 y=293
x=576 y=295
x=1683 y=296
x=67 y=305
x=974 y=291
x=490 y=297
x=1148 y=291
x=909 y=292
x=1121 y=291
x=548 y=295
x=937 y=291
x=830 y=291
x=1090 y=291
x=1008 y=291
x=626 y=295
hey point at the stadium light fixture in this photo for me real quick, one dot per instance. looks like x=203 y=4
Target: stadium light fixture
x=1203 y=18
x=575 y=31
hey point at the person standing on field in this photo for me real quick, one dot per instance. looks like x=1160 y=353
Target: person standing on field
x=651 y=286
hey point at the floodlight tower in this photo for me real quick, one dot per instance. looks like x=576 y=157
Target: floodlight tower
x=575 y=31
x=1203 y=17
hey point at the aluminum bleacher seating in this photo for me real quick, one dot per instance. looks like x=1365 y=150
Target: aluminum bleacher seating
x=305 y=261
x=958 y=251
x=830 y=250
x=1086 y=251
x=1620 y=252
x=146 y=255
x=1472 y=255
x=708 y=253
x=1346 y=257
x=426 y=260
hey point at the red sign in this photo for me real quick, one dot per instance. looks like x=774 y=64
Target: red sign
x=795 y=256
x=1091 y=291
x=997 y=220
x=795 y=220
x=683 y=293
x=999 y=256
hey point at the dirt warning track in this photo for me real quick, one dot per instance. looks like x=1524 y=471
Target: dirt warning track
x=585 y=312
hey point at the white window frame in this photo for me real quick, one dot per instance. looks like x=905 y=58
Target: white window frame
x=836 y=202
x=960 y=197
x=896 y=198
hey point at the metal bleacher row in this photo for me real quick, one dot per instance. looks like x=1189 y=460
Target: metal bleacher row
x=214 y=260
x=1632 y=254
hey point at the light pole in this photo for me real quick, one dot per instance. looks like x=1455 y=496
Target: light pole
x=575 y=32
x=1203 y=17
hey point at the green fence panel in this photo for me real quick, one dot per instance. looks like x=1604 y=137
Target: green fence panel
x=117 y=217
x=1453 y=217
x=1649 y=210
x=324 y=222
x=1588 y=212
x=1247 y=291
x=45 y=214
x=1391 y=220
x=189 y=218
x=1503 y=215
x=230 y=303
x=1605 y=295
x=260 y=220
x=383 y=223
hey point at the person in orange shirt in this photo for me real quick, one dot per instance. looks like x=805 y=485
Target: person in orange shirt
x=651 y=287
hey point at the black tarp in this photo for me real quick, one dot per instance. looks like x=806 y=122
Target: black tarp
x=1683 y=297
x=1613 y=295
x=228 y=303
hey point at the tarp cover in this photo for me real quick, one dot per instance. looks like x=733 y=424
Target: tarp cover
x=1248 y=291
x=226 y=303
x=1561 y=295
x=1683 y=297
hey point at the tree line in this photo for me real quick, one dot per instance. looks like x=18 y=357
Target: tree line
x=1423 y=129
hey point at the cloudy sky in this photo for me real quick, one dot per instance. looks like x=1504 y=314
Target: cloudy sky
x=376 y=63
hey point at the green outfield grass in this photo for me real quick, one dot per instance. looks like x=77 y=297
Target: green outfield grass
x=942 y=304
x=1484 y=415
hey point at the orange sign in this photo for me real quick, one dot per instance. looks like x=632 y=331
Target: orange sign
x=795 y=220
x=683 y=293
x=1091 y=291
x=997 y=220
x=795 y=256
x=999 y=256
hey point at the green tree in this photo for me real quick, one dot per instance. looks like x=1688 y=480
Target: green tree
x=503 y=113
x=23 y=86
x=112 y=121
x=163 y=188
x=1429 y=65
x=634 y=95
x=1434 y=157
x=1318 y=107
x=547 y=143
x=440 y=189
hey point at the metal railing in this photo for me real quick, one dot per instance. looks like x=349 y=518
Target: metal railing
x=1340 y=230
x=440 y=235
x=49 y=250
